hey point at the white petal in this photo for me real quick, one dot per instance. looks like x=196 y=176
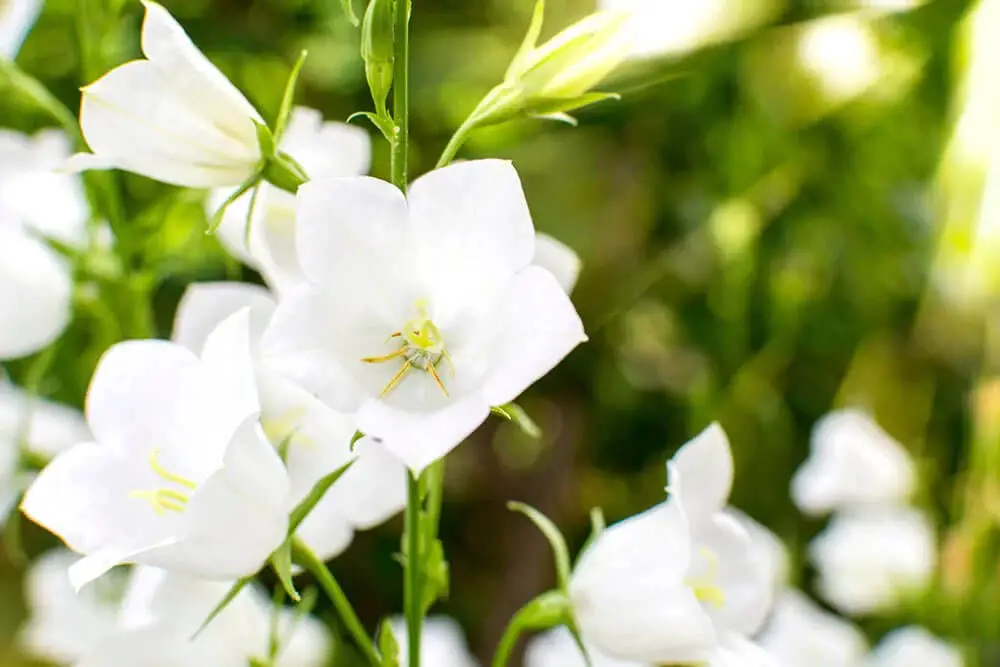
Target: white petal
x=205 y=305
x=534 y=327
x=35 y=290
x=800 y=632
x=911 y=646
x=558 y=259
x=52 y=428
x=374 y=489
x=228 y=357
x=556 y=648
x=471 y=228
x=770 y=547
x=706 y=465
x=737 y=651
x=90 y=162
x=442 y=643
x=16 y=19
x=326 y=150
x=306 y=641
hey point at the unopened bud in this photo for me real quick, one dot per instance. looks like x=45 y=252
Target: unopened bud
x=377 y=51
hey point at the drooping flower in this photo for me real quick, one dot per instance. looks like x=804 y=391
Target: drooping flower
x=914 y=646
x=801 y=634
x=442 y=643
x=325 y=150
x=556 y=648
x=180 y=474
x=853 y=463
x=172 y=117
x=16 y=19
x=772 y=549
x=316 y=440
x=422 y=312
x=671 y=584
x=870 y=561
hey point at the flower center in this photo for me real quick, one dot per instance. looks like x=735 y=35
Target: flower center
x=420 y=347
x=705 y=586
x=166 y=499
x=283 y=431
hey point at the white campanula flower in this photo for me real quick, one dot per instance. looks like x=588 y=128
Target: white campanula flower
x=36 y=204
x=179 y=474
x=868 y=562
x=914 y=646
x=852 y=463
x=772 y=549
x=671 y=584
x=420 y=312
x=16 y=19
x=316 y=439
x=324 y=150
x=801 y=634
x=558 y=259
x=556 y=648
x=442 y=643
x=172 y=116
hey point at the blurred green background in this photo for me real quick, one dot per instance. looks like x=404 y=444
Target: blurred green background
x=768 y=231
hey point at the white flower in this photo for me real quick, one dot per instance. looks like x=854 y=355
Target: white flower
x=736 y=651
x=172 y=117
x=556 y=648
x=442 y=643
x=64 y=625
x=914 y=646
x=852 y=463
x=800 y=634
x=420 y=313
x=180 y=474
x=558 y=259
x=324 y=150
x=318 y=438
x=16 y=19
x=770 y=546
x=868 y=561
x=670 y=584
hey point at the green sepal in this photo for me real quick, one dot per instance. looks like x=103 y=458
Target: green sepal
x=558 y=117
x=315 y=495
x=354 y=439
x=251 y=182
x=230 y=595
x=282 y=171
x=288 y=98
x=517 y=65
x=388 y=646
x=248 y=223
x=555 y=537
x=597 y=526
x=265 y=139
x=384 y=124
x=436 y=575
x=512 y=412
x=348 y=8
x=281 y=563
x=546 y=611
x=559 y=105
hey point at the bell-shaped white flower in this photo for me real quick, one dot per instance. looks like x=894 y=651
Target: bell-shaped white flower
x=869 y=561
x=914 y=646
x=772 y=550
x=442 y=643
x=16 y=19
x=64 y=625
x=801 y=634
x=852 y=463
x=172 y=117
x=556 y=648
x=180 y=474
x=422 y=312
x=737 y=651
x=558 y=259
x=324 y=150
x=668 y=585
x=316 y=439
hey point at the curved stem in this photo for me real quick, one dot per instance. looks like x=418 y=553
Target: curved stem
x=456 y=142
x=507 y=643
x=412 y=598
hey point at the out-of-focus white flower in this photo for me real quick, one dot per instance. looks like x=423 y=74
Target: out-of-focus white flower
x=325 y=150
x=801 y=634
x=842 y=53
x=16 y=19
x=670 y=584
x=737 y=651
x=556 y=648
x=868 y=561
x=180 y=474
x=558 y=259
x=442 y=643
x=914 y=646
x=64 y=625
x=316 y=438
x=422 y=312
x=172 y=117
x=853 y=463
x=770 y=546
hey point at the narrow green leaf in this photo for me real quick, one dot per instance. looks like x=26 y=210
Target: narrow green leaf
x=512 y=412
x=552 y=533
x=238 y=586
x=315 y=495
x=388 y=646
x=348 y=8
x=354 y=439
x=519 y=64
x=281 y=563
x=245 y=186
x=288 y=98
x=33 y=90
x=383 y=123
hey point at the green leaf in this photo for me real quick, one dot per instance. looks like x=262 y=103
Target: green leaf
x=512 y=412
x=388 y=646
x=288 y=98
x=348 y=8
x=238 y=586
x=281 y=562
x=245 y=186
x=559 y=549
x=519 y=64
x=315 y=495
x=436 y=575
x=31 y=89
x=384 y=124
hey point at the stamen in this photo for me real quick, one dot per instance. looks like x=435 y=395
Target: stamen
x=166 y=499
x=704 y=587
x=388 y=357
x=397 y=378
x=422 y=347
x=437 y=378
x=154 y=462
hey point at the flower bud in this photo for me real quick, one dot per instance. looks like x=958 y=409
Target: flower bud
x=377 y=50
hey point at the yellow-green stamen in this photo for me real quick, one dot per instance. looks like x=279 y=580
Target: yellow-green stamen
x=165 y=500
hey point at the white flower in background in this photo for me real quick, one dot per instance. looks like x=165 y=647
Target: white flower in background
x=16 y=19
x=318 y=438
x=556 y=648
x=558 y=259
x=914 y=646
x=442 y=643
x=324 y=150
x=852 y=463
x=35 y=204
x=869 y=561
x=64 y=625
x=671 y=584
x=737 y=651
x=180 y=474
x=422 y=312
x=842 y=53
x=801 y=634
x=773 y=551
x=172 y=117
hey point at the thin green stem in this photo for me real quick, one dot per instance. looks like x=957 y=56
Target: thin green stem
x=413 y=584
x=305 y=557
x=507 y=643
x=401 y=96
x=456 y=142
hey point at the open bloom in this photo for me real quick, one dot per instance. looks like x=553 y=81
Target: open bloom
x=556 y=648
x=801 y=634
x=179 y=475
x=673 y=583
x=914 y=646
x=314 y=438
x=422 y=312
x=16 y=19
x=869 y=561
x=442 y=643
x=852 y=463
x=324 y=150
x=172 y=117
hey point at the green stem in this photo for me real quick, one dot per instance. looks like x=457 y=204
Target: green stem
x=456 y=142
x=304 y=556
x=401 y=96
x=507 y=643
x=412 y=591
